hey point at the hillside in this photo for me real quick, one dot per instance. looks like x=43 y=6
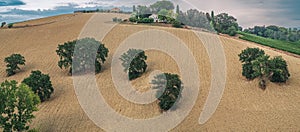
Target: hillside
x=243 y=107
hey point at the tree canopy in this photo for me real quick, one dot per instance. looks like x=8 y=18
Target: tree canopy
x=257 y=64
x=12 y=63
x=90 y=51
x=169 y=89
x=224 y=23
x=18 y=103
x=275 y=32
x=159 y=5
x=3 y=24
x=134 y=63
x=40 y=84
x=279 y=70
x=194 y=18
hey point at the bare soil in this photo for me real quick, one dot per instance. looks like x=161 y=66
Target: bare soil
x=244 y=107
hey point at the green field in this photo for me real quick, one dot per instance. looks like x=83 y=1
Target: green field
x=292 y=47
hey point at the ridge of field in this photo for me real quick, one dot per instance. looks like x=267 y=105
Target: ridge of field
x=244 y=107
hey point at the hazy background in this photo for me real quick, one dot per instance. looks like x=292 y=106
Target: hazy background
x=248 y=12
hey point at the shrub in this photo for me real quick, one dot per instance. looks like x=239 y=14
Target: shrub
x=171 y=20
x=16 y=107
x=169 y=89
x=151 y=20
x=279 y=70
x=115 y=19
x=134 y=63
x=133 y=19
x=40 y=84
x=177 y=24
x=12 y=63
x=10 y=25
x=3 y=24
x=146 y=20
x=232 y=31
x=141 y=20
x=91 y=52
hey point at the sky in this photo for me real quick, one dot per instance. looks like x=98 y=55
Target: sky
x=248 y=12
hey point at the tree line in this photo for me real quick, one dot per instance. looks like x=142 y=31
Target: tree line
x=275 y=32
x=221 y=23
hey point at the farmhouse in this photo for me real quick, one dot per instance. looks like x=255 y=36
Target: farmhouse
x=115 y=10
x=155 y=17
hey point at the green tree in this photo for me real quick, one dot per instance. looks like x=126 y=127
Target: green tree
x=177 y=9
x=257 y=64
x=143 y=11
x=250 y=54
x=134 y=8
x=208 y=17
x=134 y=63
x=261 y=69
x=194 y=18
x=224 y=23
x=177 y=24
x=10 y=25
x=12 y=63
x=164 y=12
x=169 y=88
x=3 y=24
x=212 y=14
x=279 y=70
x=16 y=107
x=90 y=51
x=40 y=84
x=246 y=57
x=159 y=5
x=213 y=22
x=165 y=15
x=232 y=31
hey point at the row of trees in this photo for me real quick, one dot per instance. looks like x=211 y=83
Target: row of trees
x=256 y=64
x=275 y=32
x=18 y=102
x=100 y=11
x=141 y=20
x=222 y=23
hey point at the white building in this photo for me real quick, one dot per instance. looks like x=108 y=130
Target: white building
x=155 y=17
